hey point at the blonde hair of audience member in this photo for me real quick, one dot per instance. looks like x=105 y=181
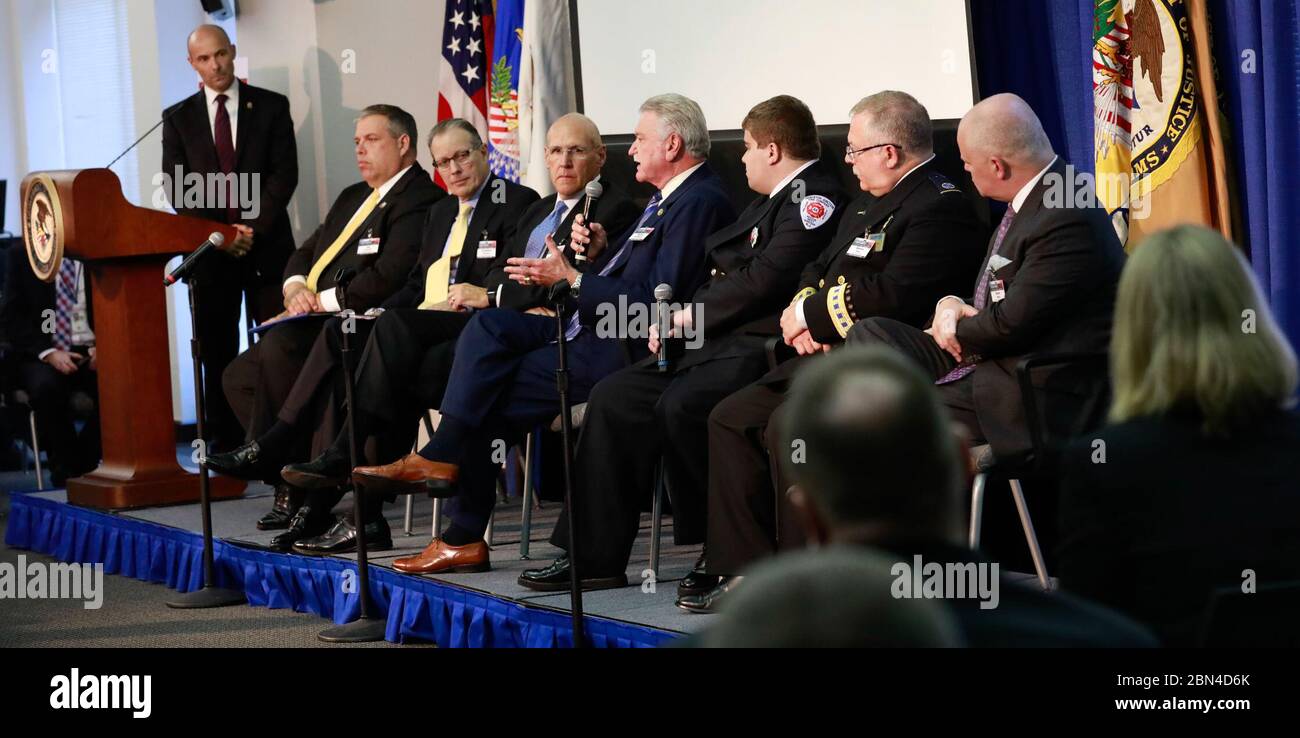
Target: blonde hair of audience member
x=1193 y=333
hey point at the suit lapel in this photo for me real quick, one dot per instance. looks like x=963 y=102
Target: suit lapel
x=752 y=215
x=197 y=113
x=247 y=113
x=477 y=226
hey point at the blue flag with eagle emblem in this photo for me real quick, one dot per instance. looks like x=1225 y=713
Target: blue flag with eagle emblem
x=503 y=95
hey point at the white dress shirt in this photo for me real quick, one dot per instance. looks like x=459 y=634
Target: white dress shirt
x=329 y=298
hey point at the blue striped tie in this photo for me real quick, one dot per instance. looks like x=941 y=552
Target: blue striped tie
x=536 y=247
x=574 y=328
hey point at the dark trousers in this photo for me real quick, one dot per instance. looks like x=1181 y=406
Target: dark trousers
x=258 y=381
x=635 y=417
x=957 y=396
x=744 y=444
x=502 y=385
x=400 y=375
x=50 y=393
x=223 y=282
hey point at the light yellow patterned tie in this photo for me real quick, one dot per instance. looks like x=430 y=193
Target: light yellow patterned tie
x=324 y=261
x=439 y=276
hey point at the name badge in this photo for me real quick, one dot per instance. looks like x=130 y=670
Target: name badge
x=860 y=248
x=997 y=290
x=487 y=249
x=641 y=233
x=368 y=246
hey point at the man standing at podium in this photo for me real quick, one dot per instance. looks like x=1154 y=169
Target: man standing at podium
x=244 y=133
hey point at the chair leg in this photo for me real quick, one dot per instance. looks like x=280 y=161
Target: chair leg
x=492 y=517
x=408 y=520
x=526 y=526
x=36 y=451
x=1030 y=537
x=656 y=518
x=977 y=508
x=437 y=517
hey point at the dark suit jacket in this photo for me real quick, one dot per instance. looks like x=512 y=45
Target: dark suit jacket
x=932 y=247
x=1026 y=616
x=1060 y=297
x=1173 y=514
x=490 y=221
x=264 y=146
x=755 y=262
x=22 y=308
x=613 y=210
x=397 y=221
x=673 y=253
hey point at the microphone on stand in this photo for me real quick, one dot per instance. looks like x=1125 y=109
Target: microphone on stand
x=663 y=293
x=341 y=279
x=594 y=190
x=216 y=240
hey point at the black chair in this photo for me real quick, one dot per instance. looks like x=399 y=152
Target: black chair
x=1072 y=402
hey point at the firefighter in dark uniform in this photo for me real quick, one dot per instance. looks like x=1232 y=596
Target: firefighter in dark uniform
x=908 y=241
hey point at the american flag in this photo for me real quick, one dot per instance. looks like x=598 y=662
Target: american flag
x=466 y=60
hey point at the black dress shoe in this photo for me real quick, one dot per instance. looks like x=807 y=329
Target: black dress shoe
x=697 y=582
x=708 y=602
x=287 y=502
x=330 y=469
x=244 y=462
x=555 y=578
x=342 y=538
x=306 y=523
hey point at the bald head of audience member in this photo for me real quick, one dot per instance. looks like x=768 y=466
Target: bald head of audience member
x=212 y=55
x=835 y=597
x=1003 y=145
x=872 y=454
x=574 y=154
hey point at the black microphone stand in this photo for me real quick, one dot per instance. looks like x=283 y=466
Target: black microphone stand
x=559 y=293
x=209 y=595
x=366 y=628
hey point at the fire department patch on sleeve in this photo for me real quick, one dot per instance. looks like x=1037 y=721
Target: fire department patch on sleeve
x=815 y=210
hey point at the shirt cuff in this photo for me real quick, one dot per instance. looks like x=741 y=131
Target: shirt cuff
x=295 y=279
x=948 y=297
x=496 y=299
x=798 y=313
x=329 y=300
x=41 y=356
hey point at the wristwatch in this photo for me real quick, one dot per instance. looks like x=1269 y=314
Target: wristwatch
x=577 y=284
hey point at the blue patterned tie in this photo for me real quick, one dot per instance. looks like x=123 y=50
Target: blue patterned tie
x=65 y=301
x=574 y=328
x=536 y=247
x=981 y=295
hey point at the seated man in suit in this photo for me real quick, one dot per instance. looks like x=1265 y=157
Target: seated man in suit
x=484 y=205
x=911 y=238
x=372 y=232
x=503 y=379
x=754 y=268
x=883 y=469
x=49 y=345
x=1047 y=285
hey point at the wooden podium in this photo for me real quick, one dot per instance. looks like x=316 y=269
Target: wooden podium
x=126 y=249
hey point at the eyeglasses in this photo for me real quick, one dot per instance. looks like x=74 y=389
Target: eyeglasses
x=851 y=153
x=460 y=157
x=577 y=152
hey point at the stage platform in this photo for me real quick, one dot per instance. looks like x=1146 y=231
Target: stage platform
x=163 y=544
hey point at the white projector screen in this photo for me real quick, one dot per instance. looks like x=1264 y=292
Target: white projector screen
x=728 y=55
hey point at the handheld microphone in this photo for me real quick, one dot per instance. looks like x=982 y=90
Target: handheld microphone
x=216 y=240
x=663 y=293
x=166 y=114
x=594 y=191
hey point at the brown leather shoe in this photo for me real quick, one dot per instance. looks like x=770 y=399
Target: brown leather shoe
x=439 y=557
x=408 y=475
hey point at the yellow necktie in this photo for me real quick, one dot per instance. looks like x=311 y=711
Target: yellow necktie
x=319 y=267
x=438 y=279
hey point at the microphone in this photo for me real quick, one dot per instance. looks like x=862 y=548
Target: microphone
x=594 y=191
x=663 y=293
x=558 y=291
x=341 y=279
x=216 y=240
x=166 y=114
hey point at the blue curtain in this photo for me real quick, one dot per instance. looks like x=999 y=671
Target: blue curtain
x=1042 y=51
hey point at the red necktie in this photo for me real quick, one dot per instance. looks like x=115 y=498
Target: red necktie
x=225 y=152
